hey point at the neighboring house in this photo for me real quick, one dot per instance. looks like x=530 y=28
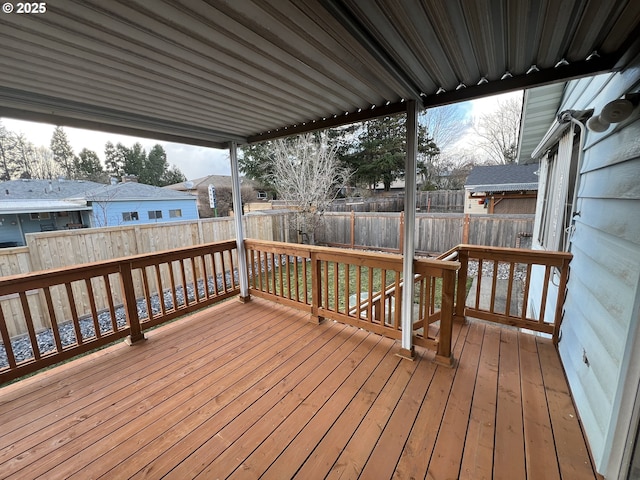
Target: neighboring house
x=130 y=203
x=29 y=206
x=589 y=204
x=254 y=197
x=501 y=189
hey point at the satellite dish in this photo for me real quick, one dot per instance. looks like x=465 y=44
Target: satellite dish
x=188 y=185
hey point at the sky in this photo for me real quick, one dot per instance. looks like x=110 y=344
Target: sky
x=194 y=162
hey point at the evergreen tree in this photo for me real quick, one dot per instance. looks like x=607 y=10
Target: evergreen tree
x=134 y=160
x=155 y=167
x=62 y=152
x=115 y=159
x=88 y=166
x=171 y=176
x=380 y=153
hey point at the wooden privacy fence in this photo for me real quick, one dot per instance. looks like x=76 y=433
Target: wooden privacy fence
x=124 y=297
x=363 y=289
x=434 y=233
x=507 y=300
x=59 y=249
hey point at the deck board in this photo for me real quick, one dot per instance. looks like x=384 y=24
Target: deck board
x=256 y=390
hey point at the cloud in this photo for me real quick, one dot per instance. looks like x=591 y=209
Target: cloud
x=194 y=162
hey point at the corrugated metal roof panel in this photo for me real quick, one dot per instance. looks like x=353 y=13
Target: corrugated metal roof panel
x=212 y=72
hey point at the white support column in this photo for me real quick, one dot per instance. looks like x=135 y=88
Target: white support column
x=243 y=277
x=408 y=247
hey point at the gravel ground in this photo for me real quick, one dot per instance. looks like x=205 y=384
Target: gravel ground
x=503 y=270
x=21 y=345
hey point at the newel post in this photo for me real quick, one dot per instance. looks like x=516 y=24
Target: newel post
x=444 y=355
x=316 y=288
x=130 y=304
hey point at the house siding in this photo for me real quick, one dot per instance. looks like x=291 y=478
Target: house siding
x=601 y=307
x=110 y=213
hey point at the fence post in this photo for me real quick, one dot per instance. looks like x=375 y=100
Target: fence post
x=465 y=228
x=130 y=305
x=316 y=288
x=353 y=229
x=444 y=355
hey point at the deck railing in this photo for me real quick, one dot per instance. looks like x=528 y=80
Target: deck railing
x=504 y=286
x=88 y=306
x=363 y=289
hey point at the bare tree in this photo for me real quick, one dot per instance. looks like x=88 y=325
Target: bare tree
x=308 y=173
x=498 y=131
x=8 y=164
x=43 y=165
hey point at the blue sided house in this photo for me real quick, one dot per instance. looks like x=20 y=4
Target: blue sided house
x=29 y=206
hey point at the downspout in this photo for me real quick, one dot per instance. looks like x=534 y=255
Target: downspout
x=408 y=247
x=243 y=279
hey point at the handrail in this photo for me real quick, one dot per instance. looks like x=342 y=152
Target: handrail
x=97 y=303
x=526 y=307
x=323 y=280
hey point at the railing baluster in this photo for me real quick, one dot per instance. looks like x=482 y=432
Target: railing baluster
x=205 y=276
x=359 y=288
x=28 y=318
x=525 y=299
x=232 y=270
x=194 y=276
x=347 y=292
x=507 y=308
x=545 y=290
x=370 y=294
x=316 y=288
x=94 y=310
x=174 y=292
x=280 y=276
x=478 y=283
x=296 y=277
x=183 y=276
x=336 y=278
x=112 y=309
x=273 y=274
x=564 y=278
x=461 y=292
x=398 y=303
x=163 y=308
x=305 y=281
x=325 y=278
x=494 y=282
x=146 y=292
x=6 y=340
x=74 y=314
x=214 y=272
x=52 y=319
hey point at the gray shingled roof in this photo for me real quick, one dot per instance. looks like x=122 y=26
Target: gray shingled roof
x=84 y=190
x=503 y=178
x=44 y=189
x=127 y=191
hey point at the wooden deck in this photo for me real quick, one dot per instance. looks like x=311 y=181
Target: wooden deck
x=254 y=390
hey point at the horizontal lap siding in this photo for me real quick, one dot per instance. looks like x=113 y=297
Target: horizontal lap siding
x=605 y=271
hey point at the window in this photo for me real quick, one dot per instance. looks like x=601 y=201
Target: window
x=177 y=213
x=558 y=173
x=155 y=214
x=130 y=216
x=262 y=194
x=40 y=216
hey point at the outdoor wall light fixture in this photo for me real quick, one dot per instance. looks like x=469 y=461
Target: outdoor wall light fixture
x=615 y=111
